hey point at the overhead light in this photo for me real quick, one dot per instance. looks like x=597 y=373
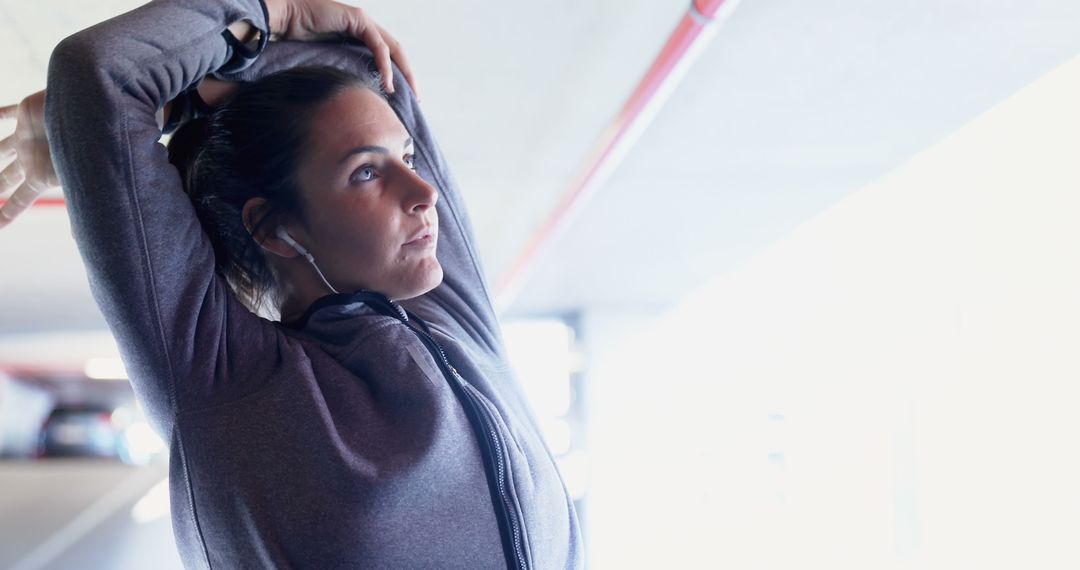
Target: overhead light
x=105 y=369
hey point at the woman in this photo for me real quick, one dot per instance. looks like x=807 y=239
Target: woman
x=377 y=424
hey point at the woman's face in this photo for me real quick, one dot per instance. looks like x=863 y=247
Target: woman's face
x=364 y=204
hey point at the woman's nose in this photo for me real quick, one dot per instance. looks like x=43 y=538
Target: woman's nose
x=421 y=194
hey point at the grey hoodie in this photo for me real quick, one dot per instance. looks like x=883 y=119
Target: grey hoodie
x=347 y=441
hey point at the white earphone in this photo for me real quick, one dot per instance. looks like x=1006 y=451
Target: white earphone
x=285 y=237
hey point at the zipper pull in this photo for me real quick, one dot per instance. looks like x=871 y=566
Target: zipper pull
x=369 y=295
x=400 y=310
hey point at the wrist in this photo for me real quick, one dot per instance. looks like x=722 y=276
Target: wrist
x=243 y=31
x=246 y=41
x=276 y=16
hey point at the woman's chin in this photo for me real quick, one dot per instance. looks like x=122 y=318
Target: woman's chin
x=431 y=278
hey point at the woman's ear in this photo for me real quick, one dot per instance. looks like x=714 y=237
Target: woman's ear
x=262 y=230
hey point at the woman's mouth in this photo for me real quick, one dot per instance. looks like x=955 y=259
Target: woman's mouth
x=423 y=238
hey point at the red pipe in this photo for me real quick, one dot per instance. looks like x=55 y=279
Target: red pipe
x=661 y=78
x=49 y=201
x=38 y=369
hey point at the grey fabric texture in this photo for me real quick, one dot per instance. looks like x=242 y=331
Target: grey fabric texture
x=335 y=445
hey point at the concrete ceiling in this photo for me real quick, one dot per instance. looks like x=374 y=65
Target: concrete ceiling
x=790 y=108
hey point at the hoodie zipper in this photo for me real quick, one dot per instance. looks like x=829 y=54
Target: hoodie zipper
x=494 y=443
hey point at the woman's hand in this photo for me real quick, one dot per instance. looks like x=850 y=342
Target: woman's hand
x=308 y=20
x=29 y=169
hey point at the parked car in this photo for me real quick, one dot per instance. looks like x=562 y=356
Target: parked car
x=80 y=432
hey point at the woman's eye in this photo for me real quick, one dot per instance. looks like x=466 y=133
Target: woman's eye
x=409 y=161
x=364 y=174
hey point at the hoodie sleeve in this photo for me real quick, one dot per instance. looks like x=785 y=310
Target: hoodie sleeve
x=462 y=302
x=150 y=266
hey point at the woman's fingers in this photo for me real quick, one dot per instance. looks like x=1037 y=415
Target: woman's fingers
x=364 y=29
x=17 y=203
x=11 y=177
x=7 y=148
x=30 y=172
x=308 y=20
x=398 y=55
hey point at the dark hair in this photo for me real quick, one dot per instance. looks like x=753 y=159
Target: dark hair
x=251 y=147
